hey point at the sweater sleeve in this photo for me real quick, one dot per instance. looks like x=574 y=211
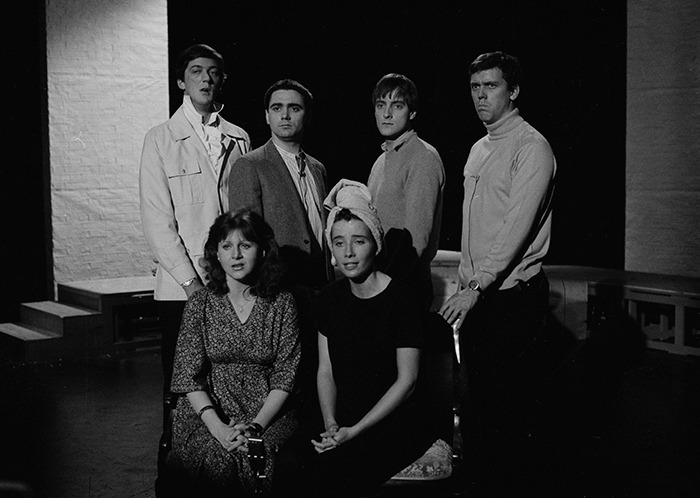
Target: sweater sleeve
x=424 y=185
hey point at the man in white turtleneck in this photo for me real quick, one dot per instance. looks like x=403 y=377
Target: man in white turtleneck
x=500 y=309
x=183 y=184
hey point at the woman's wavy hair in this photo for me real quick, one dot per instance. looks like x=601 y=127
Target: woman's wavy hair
x=269 y=270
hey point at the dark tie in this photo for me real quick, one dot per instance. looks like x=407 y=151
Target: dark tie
x=303 y=186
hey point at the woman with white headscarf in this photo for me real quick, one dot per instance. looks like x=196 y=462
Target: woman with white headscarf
x=371 y=332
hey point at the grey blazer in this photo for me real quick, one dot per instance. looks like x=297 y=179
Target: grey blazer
x=260 y=181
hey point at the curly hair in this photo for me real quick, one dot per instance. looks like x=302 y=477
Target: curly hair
x=269 y=271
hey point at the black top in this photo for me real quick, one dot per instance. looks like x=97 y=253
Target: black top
x=363 y=335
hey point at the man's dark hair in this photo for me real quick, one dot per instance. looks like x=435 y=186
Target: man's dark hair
x=404 y=87
x=508 y=64
x=194 y=52
x=289 y=84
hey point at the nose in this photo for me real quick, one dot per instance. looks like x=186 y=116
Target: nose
x=285 y=113
x=237 y=253
x=387 y=111
x=349 y=251
x=480 y=93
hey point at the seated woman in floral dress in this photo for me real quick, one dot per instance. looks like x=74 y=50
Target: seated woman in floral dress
x=236 y=359
x=371 y=332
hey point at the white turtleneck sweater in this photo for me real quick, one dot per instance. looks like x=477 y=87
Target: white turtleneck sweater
x=507 y=212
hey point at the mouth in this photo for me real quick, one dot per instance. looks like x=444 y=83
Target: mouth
x=349 y=266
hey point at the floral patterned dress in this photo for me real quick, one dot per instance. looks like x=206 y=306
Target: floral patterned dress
x=237 y=364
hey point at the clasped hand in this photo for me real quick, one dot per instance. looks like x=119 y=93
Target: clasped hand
x=332 y=438
x=233 y=436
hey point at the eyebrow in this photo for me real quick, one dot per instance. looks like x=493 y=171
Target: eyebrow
x=390 y=100
x=289 y=104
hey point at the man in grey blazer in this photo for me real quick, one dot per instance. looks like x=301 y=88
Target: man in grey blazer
x=287 y=187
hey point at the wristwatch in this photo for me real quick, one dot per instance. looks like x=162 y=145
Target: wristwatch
x=474 y=285
x=189 y=282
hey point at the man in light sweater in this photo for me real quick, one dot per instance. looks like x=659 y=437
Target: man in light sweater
x=407 y=183
x=501 y=307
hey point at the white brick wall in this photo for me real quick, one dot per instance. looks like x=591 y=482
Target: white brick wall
x=663 y=137
x=107 y=85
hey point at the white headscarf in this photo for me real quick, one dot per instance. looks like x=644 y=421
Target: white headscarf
x=355 y=197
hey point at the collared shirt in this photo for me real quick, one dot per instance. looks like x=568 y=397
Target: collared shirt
x=311 y=202
x=214 y=141
x=396 y=144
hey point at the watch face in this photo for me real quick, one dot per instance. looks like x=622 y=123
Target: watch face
x=474 y=285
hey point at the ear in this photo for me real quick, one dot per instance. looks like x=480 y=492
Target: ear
x=181 y=84
x=333 y=261
x=267 y=117
x=412 y=115
x=514 y=93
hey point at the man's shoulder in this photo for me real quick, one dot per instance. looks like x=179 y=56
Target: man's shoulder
x=428 y=149
x=312 y=160
x=421 y=154
x=529 y=136
x=259 y=155
x=164 y=126
x=264 y=163
x=175 y=127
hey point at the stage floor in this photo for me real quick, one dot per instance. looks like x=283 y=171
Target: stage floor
x=90 y=428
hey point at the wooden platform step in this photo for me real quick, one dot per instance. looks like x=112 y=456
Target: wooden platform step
x=28 y=343
x=103 y=294
x=59 y=317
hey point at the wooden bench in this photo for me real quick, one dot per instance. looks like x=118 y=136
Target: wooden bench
x=665 y=307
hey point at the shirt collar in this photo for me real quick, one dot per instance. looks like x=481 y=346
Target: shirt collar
x=398 y=143
x=196 y=118
x=288 y=155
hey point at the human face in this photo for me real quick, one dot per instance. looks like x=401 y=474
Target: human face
x=353 y=248
x=392 y=115
x=285 y=115
x=238 y=256
x=491 y=96
x=203 y=79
